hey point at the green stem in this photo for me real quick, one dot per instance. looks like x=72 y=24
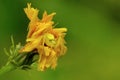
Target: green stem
x=7 y=68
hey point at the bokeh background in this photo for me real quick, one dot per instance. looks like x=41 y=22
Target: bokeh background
x=93 y=38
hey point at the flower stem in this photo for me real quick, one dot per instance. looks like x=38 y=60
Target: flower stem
x=7 y=68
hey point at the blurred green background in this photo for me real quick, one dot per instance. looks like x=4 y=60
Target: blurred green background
x=93 y=38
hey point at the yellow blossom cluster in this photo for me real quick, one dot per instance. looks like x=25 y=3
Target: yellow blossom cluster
x=44 y=38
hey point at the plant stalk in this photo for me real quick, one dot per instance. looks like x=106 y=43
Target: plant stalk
x=7 y=68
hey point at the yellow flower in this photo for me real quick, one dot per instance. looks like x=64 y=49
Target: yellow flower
x=42 y=37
